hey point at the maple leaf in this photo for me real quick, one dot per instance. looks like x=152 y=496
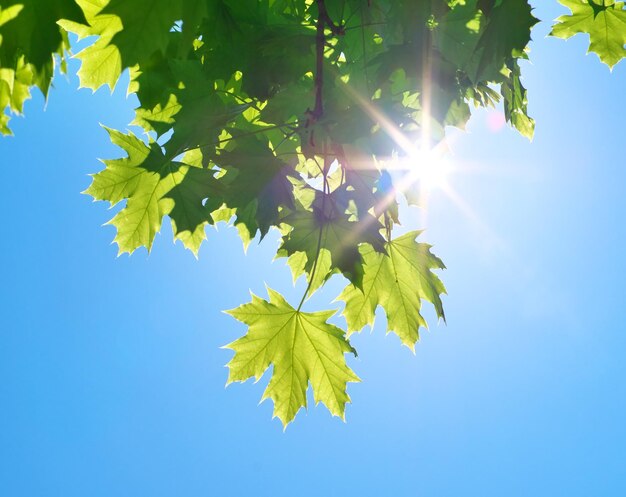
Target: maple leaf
x=129 y=33
x=302 y=347
x=101 y=62
x=193 y=109
x=605 y=23
x=397 y=281
x=154 y=186
x=189 y=214
x=359 y=184
x=256 y=184
x=27 y=60
x=30 y=28
x=481 y=44
x=146 y=27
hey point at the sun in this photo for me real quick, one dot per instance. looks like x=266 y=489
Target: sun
x=422 y=171
x=429 y=170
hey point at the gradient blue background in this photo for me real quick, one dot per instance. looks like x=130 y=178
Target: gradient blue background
x=112 y=379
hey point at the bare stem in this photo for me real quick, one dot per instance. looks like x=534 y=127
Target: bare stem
x=326 y=191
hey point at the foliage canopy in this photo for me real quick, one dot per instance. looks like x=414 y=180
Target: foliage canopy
x=291 y=114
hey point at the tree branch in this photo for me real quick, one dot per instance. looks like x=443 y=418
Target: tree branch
x=336 y=29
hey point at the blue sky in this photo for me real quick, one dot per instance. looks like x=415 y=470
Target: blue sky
x=113 y=379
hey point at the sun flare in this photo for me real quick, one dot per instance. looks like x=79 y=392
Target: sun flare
x=428 y=170
x=422 y=171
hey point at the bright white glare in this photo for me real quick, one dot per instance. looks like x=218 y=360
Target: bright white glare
x=422 y=170
x=428 y=170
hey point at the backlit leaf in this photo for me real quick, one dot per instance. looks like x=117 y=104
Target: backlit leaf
x=603 y=20
x=302 y=348
x=397 y=281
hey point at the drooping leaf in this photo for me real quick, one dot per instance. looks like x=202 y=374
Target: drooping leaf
x=516 y=101
x=30 y=38
x=302 y=348
x=30 y=28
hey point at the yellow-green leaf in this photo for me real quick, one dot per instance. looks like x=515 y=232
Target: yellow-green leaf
x=603 y=20
x=302 y=348
x=153 y=185
x=397 y=281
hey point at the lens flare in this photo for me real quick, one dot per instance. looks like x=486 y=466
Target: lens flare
x=427 y=170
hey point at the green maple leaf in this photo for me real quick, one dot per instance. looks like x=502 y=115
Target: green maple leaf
x=507 y=34
x=146 y=23
x=190 y=215
x=30 y=28
x=256 y=183
x=479 y=44
x=192 y=107
x=154 y=186
x=27 y=59
x=302 y=347
x=603 y=20
x=129 y=33
x=397 y=281
x=458 y=32
x=101 y=62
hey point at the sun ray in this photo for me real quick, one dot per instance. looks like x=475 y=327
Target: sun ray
x=419 y=169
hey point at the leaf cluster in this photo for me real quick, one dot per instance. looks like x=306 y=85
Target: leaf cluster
x=288 y=115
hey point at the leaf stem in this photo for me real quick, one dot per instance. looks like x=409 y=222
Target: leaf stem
x=317 y=258
x=326 y=191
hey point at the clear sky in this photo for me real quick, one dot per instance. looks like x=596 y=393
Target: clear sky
x=112 y=379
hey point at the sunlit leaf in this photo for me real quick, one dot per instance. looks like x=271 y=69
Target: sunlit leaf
x=302 y=348
x=603 y=20
x=397 y=281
